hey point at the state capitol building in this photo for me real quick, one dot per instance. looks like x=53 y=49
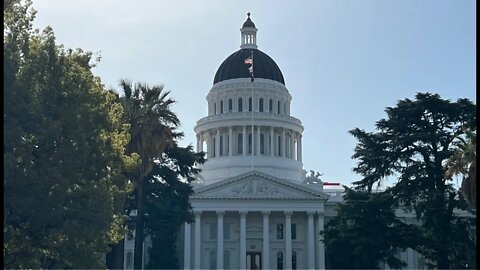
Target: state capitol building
x=254 y=205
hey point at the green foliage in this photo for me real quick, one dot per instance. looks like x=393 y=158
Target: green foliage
x=366 y=234
x=413 y=144
x=463 y=162
x=167 y=205
x=64 y=152
x=152 y=130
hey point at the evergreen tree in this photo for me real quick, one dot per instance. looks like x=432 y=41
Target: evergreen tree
x=167 y=204
x=64 y=154
x=366 y=234
x=413 y=144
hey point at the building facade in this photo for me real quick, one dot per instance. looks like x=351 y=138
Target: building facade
x=255 y=206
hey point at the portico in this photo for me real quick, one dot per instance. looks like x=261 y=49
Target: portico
x=255 y=214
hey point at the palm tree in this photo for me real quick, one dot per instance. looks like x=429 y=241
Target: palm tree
x=463 y=162
x=152 y=130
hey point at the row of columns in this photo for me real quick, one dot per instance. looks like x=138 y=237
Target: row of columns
x=287 y=147
x=312 y=235
x=222 y=106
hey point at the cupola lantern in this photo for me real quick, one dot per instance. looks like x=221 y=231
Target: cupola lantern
x=248 y=34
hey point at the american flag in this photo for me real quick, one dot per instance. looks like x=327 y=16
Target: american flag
x=249 y=60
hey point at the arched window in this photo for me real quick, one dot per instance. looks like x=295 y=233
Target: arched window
x=294 y=260
x=226 y=259
x=278 y=107
x=230 y=105
x=262 y=144
x=270 y=105
x=240 y=105
x=279 y=260
x=240 y=143
x=249 y=104
x=260 y=105
x=213 y=259
x=221 y=106
x=215 y=108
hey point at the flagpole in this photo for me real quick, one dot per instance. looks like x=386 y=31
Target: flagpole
x=253 y=149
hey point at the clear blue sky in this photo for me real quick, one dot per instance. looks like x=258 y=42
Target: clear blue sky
x=343 y=61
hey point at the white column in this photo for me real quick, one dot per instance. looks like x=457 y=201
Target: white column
x=198 y=143
x=288 y=239
x=258 y=141
x=201 y=141
x=243 y=239
x=266 y=241
x=300 y=147
x=217 y=144
x=272 y=142
x=220 y=239
x=244 y=146
x=292 y=146
x=198 y=233
x=410 y=259
x=311 y=241
x=283 y=143
x=187 y=248
x=230 y=141
x=209 y=145
x=320 y=244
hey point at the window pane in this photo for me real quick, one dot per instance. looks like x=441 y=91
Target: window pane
x=279 y=230
x=226 y=231
x=280 y=260
x=294 y=231
x=226 y=259
x=294 y=260
x=240 y=143
x=213 y=231
x=213 y=259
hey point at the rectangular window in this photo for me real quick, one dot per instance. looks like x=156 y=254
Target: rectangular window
x=279 y=231
x=226 y=231
x=240 y=105
x=294 y=231
x=213 y=231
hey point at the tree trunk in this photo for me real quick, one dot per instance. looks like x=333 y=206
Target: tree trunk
x=115 y=256
x=139 y=221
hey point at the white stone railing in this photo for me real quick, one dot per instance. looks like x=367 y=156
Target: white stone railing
x=242 y=115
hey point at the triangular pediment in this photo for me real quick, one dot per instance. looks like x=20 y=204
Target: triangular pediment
x=256 y=185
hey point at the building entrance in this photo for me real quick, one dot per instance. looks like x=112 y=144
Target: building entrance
x=254 y=260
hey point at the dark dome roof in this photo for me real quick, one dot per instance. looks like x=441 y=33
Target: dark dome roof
x=248 y=23
x=234 y=67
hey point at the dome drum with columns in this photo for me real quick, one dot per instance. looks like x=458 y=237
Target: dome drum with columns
x=249 y=123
